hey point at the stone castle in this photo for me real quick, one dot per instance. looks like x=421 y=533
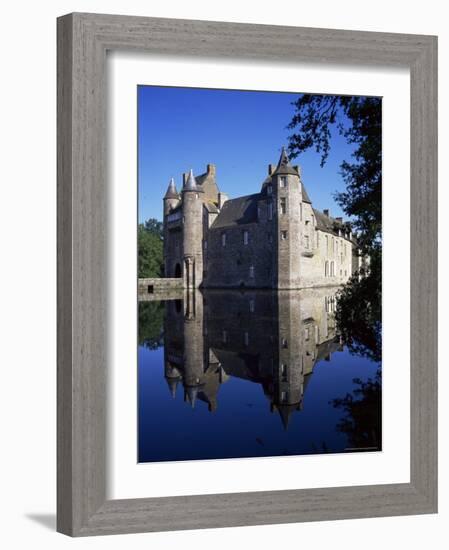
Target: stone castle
x=271 y=239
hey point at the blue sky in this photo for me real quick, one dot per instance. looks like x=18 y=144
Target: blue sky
x=241 y=132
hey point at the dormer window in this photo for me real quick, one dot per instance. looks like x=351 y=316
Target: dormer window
x=269 y=189
x=283 y=181
x=223 y=239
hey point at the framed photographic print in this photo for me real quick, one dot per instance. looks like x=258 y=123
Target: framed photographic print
x=246 y=274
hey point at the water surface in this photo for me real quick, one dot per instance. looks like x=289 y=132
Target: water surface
x=228 y=374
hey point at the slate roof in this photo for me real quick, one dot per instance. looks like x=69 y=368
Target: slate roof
x=237 y=212
x=190 y=184
x=210 y=207
x=172 y=192
x=284 y=167
x=327 y=223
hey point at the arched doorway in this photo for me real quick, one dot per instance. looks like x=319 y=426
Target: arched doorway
x=178 y=273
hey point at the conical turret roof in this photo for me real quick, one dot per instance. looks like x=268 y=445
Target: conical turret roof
x=171 y=193
x=191 y=185
x=284 y=167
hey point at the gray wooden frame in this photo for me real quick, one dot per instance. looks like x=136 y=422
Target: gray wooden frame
x=83 y=40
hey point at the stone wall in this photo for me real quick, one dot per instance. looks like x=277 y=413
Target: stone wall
x=154 y=286
x=237 y=264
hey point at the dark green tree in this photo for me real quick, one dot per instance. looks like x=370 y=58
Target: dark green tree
x=362 y=420
x=359 y=120
x=154 y=226
x=150 y=249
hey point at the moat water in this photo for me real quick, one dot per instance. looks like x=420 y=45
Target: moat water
x=228 y=374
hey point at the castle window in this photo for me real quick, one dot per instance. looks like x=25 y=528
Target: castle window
x=270 y=211
x=225 y=337
x=245 y=237
x=284 y=343
x=269 y=189
x=284 y=397
x=284 y=235
x=306 y=241
x=251 y=272
x=251 y=306
x=283 y=205
x=284 y=373
x=223 y=239
x=326 y=269
x=300 y=211
x=246 y=339
x=306 y=334
x=283 y=181
x=327 y=243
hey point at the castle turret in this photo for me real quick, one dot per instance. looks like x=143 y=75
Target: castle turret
x=287 y=222
x=192 y=232
x=171 y=197
x=172 y=200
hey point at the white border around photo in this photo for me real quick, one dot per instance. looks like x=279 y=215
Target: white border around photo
x=127 y=478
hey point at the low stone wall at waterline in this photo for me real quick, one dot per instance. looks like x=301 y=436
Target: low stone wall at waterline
x=152 y=287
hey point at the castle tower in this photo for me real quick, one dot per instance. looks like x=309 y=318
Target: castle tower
x=171 y=198
x=288 y=375
x=171 y=201
x=287 y=222
x=194 y=360
x=192 y=233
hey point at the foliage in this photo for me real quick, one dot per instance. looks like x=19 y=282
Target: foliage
x=150 y=249
x=362 y=422
x=151 y=320
x=359 y=313
x=154 y=226
x=359 y=120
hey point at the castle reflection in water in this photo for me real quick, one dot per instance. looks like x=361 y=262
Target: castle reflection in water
x=270 y=338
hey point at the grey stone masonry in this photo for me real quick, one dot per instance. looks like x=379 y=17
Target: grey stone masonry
x=273 y=238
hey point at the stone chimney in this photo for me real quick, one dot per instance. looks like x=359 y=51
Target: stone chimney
x=184 y=178
x=298 y=169
x=271 y=168
x=211 y=170
x=326 y=213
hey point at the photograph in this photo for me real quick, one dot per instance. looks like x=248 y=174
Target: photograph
x=259 y=273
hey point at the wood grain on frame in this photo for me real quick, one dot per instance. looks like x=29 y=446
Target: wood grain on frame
x=83 y=40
